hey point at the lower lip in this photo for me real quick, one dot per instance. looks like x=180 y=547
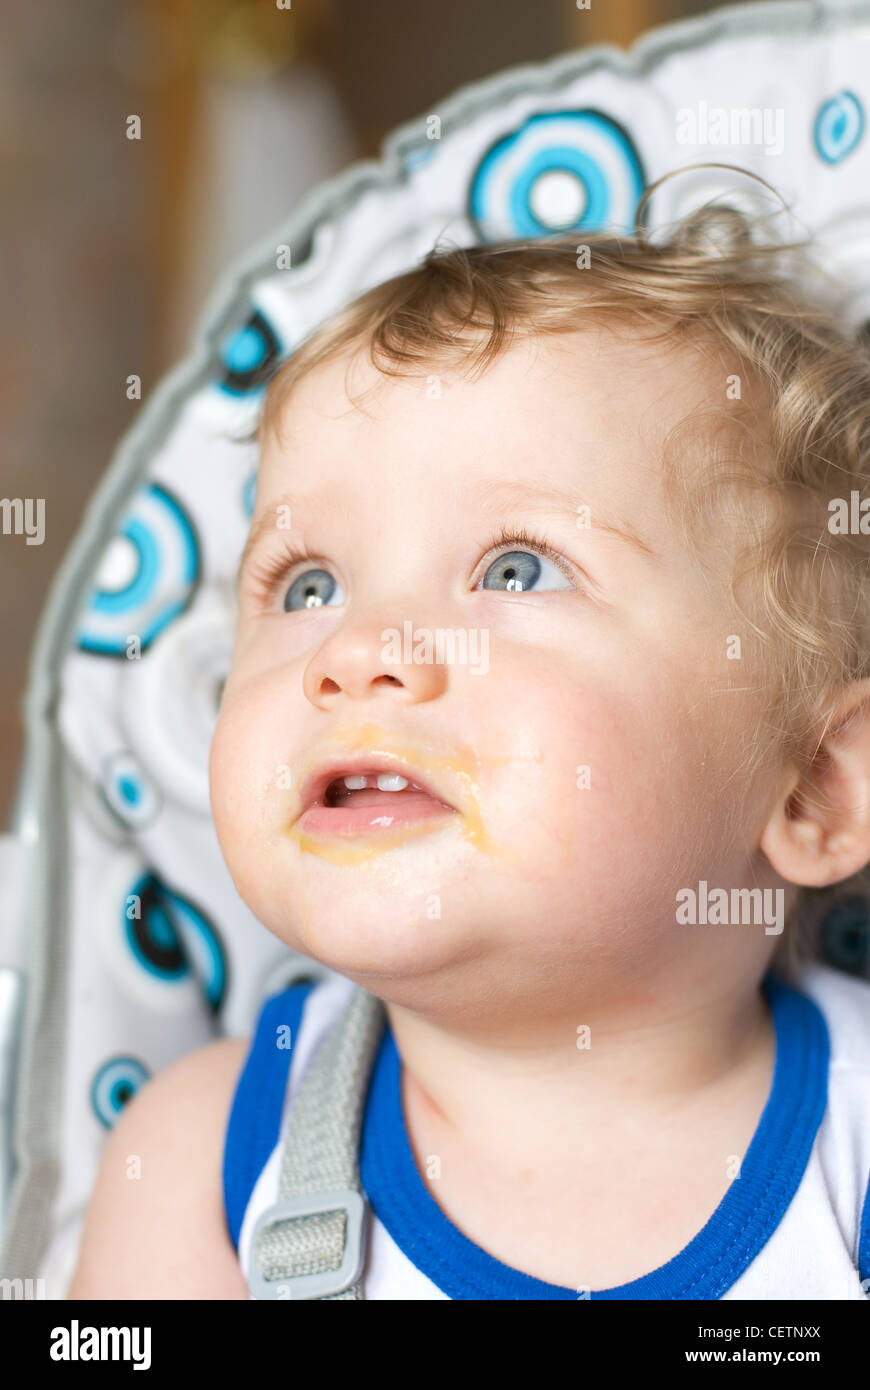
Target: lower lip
x=395 y=810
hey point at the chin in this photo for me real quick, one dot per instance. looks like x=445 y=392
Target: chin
x=380 y=940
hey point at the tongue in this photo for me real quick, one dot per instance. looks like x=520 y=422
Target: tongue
x=373 y=796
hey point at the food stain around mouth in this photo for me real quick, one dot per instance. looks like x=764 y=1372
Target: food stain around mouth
x=363 y=847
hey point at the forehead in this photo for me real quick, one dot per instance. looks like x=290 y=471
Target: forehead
x=593 y=407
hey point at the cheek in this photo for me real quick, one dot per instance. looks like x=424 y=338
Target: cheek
x=540 y=741
x=580 y=774
x=246 y=771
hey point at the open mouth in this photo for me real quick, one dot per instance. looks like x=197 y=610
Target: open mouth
x=358 y=802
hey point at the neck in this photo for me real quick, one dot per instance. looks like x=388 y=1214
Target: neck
x=520 y=1087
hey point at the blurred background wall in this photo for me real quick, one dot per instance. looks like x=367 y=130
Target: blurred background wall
x=111 y=246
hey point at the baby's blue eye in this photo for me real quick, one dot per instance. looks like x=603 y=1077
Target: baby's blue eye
x=313 y=589
x=520 y=570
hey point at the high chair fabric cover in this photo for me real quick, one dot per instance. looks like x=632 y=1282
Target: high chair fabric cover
x=123 y=942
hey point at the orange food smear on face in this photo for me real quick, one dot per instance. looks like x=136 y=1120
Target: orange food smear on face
x=360 y=848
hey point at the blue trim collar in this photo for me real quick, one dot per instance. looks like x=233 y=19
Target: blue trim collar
x=706 y=1268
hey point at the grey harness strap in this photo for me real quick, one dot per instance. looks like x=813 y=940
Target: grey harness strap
x=311 y=1242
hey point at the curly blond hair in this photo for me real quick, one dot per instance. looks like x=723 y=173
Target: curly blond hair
x=791 y=433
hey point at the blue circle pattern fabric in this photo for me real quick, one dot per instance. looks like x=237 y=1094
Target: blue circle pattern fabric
x=566 y=146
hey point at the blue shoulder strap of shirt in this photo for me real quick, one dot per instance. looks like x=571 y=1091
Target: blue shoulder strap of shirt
x=864 y=1241
x=255 y=1118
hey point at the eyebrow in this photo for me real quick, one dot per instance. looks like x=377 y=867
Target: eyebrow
x=500 y=494
x=492 y=496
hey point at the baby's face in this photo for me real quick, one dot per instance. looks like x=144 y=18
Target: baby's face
x=590 y=739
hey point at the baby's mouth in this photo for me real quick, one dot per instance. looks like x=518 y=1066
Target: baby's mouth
x=361 y=802
x=375 y=794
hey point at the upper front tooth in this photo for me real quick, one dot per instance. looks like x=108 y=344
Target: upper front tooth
x=355 y=784
x=391 y=782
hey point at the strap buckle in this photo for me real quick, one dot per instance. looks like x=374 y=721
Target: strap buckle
x=328 y=1281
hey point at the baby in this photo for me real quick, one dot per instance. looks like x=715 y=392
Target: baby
x=547 y=724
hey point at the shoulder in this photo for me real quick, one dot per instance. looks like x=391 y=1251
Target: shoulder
x=844 y=1001
x=155 y=1226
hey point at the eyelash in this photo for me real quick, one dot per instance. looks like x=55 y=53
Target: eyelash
x=265 y=574
x=509 y=538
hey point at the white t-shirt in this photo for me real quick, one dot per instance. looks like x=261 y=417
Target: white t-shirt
x=795 y=1223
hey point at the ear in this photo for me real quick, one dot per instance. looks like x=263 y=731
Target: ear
x=813 y=840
